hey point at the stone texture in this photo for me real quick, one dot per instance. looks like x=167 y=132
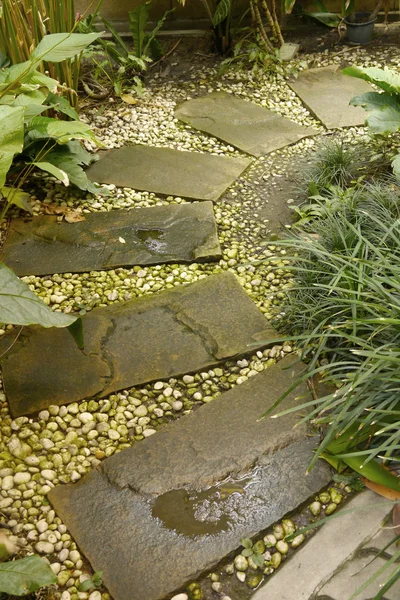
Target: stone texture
x=245 y=125
x=160 y=234
x=109 y=512
x=169 y=172
x=327 y=94
x=324 y=566
x=156 y=337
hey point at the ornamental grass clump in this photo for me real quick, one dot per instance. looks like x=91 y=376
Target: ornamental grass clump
x=343 y=310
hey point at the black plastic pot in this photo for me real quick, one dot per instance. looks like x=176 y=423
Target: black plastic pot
x=359 y=28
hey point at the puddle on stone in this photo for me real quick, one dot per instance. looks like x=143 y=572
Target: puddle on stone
x=204 y=512
x=153 y=239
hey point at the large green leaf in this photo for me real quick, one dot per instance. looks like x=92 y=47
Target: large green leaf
x=69 y=163
x=327 y=18
x=384 y=111
x=11 y=137
x=375 y=100
x=61 y=104
x=53 y=170
x=17 y=197
x=20 y=306
x=57 y=47
x=62 y=131
x=396 y=166
x=221 y=12
x=137 y=23
x=25 y=576
x=387 y=80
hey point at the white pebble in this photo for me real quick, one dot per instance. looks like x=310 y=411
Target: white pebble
x=42 y=526
x=44 y=548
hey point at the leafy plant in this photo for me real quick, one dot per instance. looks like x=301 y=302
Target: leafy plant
x=23 y=24
x=344 y=311
x=30 y=141
x=253 y=552
x=25 y=576
x=220 y=14
x=130 y=62
x=94 y=582
x=383 y=107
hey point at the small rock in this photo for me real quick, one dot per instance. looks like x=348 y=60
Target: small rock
x=241 y=563
x=44 y=548
x=95 y=595
x=180 y=597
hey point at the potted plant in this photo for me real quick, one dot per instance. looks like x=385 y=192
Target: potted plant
x=360 y=25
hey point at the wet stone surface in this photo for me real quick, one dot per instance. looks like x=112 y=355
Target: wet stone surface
x=327 y=94
x=246 y=125
x=192 y=175
x=106 y=240
x=177 y=506
x=180 y=331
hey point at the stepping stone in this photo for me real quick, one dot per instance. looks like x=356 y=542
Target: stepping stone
x=168 y=172
x=138 y=509
x=327 y=94
x=189 y=328
x=106 y=240
x=331 y=564
x=247 y=126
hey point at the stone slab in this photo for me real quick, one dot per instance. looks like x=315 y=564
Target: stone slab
x=331 y=549
x=164 y=171
x=156 y=337
x=243 y=124
x=106 y=240
x=327 y=94
x=110 y=511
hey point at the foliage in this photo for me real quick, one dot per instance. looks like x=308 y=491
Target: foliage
x=96 y=581
x=121 y=64
x=220 y=15
x=328 y=18
x=250 y=52
x=25 y=576
x=272 y=39
x=29 y=140
x=23 y=24
x=344 y=311
x=252 y=551
x=383 y=107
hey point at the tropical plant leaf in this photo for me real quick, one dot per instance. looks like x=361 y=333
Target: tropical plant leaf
x=375 y=100
x=17 y=197
x=25 y=576
x=288 y=6
x=53 y=170
x=11 y=137
x=62 y=131
x=137 y=23
x=384 y=121
x=20 y=306
x=61 y=104
x=327 y=18
x=57 y=47
x=387 y=80
x=396 y=166
x=69 y=163
x=151 y=43
x=221 y=12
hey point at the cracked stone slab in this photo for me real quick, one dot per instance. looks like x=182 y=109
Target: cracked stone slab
x=326 y=92
x=249 y=127
x=106 y=240
x=165 y=171
x=323 y=568
x=111 y=511
x=186 y=329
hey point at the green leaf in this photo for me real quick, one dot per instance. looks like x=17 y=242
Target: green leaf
x=221 y=12
x=53 y=170
x=20 y=306
x=62 y=131
x=57 y=47
x=384 y=121
x=17 y=197
x=61 y=104
x=118 y=39
x=151 y=43
x=69 y=162
x=327 y=18
x=25 y=576
x=375 y=100
x=76 y=330
x=11 y=137
x=396 y=166
x=86 y=585
x=258 y=559
x=137 y=23
x=387 y=80
x=246 y=543
x=247 y=552
x=288 y=6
